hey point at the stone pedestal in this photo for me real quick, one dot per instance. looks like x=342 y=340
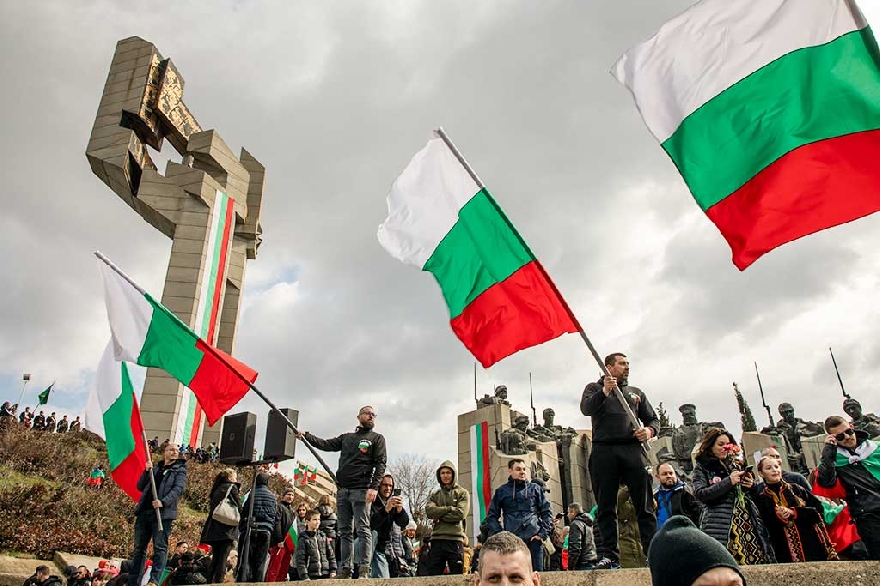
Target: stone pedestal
x=753 y=441
x=812 y=447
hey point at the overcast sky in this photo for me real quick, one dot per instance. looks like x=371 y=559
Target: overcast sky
x=334 y=98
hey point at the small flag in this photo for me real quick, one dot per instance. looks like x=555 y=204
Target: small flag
x=44 y=396
x=305 y=474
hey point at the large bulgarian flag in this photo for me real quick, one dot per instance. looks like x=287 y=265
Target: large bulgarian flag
x=500 y=299
x=770 y=110
x=112 y=413
x=148 y=334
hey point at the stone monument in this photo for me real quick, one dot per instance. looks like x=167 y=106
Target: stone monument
x=493 y=433
x=682 y=441
x=208 y=205
x=792 y=429
x=867 y=422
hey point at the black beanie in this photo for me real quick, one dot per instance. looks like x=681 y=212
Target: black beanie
x=680 y=553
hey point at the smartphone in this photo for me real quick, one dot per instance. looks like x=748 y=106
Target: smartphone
x=749 y=470
x=395 y=492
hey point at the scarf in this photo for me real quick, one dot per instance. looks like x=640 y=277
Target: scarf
x=866 y=453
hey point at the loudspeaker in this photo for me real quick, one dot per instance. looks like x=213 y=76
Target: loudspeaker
x=237 y=439
x=280 y=441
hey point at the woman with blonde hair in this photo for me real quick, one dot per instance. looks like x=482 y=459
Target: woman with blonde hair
x=793 y=516
x=219 y=535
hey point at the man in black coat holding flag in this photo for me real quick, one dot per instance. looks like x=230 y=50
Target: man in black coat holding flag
x=618 y=456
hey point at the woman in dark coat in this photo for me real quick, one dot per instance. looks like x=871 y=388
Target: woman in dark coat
x=221 y=537
x=793 y=516
x=728 y=492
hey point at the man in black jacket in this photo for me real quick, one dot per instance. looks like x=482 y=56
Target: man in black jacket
x=170 y=479
x=581 y=546
x=362 y=462
x=279 y=554
x=387 y=511
x=618 y=456
x=853 y=459
x=262 y=524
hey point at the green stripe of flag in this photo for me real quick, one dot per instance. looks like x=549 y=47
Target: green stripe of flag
x=170 y=345
x=117 y=422
x=480 y=250
x=214 y=266
x=809 y=95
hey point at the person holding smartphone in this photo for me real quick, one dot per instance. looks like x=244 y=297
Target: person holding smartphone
x=386 y=512
x=853 y=459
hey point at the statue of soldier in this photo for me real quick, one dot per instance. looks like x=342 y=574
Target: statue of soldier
x=499 y=398
x=513 y=440
x=867 y=422
x=688 y=435
x=792 y=429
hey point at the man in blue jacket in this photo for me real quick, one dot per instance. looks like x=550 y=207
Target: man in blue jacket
x=525 y=509
x=170 y=478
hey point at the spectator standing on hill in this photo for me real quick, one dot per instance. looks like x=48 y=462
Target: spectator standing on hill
x=75 y=425
x=169 y=476
x=63 y=425
x=7 y=410
x=219 y=535
x=26 y=417
x=362 y=461
x=40 y=421
x=51 y=422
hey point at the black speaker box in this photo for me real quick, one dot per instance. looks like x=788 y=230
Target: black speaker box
x=237 y=439
x=280 y=441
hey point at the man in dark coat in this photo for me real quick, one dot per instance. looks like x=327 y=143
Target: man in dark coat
x=618 y=455
x=853 y=459
x=362 y=461
x=581 y=545
x=170 y=478
x=282 y=548
x=262 y=523
x=387 y=512
x=525 y=509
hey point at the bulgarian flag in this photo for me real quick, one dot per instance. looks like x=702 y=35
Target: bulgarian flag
x=770 y=112
x=481 y=474
x=112 y=413
x=443 y=221
x=292 y=537
x=148 y=334
x=304 y=474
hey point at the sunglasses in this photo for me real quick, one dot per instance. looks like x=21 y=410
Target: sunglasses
x=370 y=414
x=841 y=436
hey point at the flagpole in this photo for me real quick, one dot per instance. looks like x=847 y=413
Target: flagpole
x=152 y=478
x=219 y=357
x=634 y=421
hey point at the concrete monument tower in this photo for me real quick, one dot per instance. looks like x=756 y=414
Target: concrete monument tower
x=209 y=205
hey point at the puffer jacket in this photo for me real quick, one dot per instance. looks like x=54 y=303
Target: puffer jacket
x=314 y=557
x=170 y=484
x=265 y=508
x=862 y=489
x=328 y=521
x=525 y=508
x=719 y=497
x=214 y=531
x=451 y=505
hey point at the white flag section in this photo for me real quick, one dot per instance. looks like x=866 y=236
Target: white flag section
x=108 y=376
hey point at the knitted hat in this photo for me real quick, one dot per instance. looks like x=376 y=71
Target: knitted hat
x=680 y=553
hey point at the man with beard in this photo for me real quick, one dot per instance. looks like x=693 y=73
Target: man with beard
x=673 y=497
x=362 y=461
x=618 y=456
x=170 y=478
x=387 y=512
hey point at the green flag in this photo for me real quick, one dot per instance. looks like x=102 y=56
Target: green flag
x=44 y=396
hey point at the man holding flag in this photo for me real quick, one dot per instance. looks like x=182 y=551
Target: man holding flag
x=169 y=476
x=282 y=538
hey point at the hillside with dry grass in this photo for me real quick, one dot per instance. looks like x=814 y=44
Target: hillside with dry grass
x=46 y=505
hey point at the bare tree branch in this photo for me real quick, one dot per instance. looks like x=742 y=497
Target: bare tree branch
x=416 y=476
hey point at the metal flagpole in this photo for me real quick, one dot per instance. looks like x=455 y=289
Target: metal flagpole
x=152 y=478
x=839 y=380
x=634 y=421
x=241 y=377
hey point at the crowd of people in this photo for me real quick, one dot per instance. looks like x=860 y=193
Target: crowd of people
x=33 y=419
x=735 y=511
